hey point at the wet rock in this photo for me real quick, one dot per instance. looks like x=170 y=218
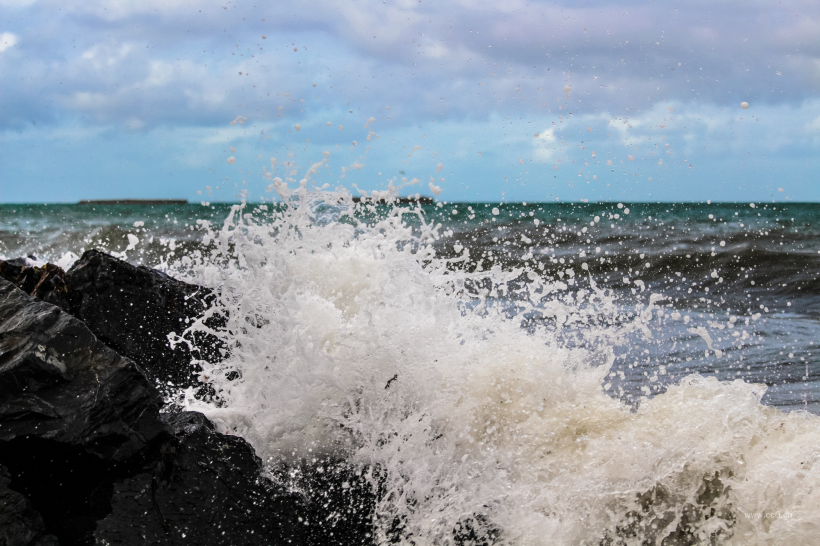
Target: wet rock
x=339 y=499
x=84 y=444
x=20 y=524
x=133 y=309
x=69 y=487
x=206 y=489
x=58 y=382
x=46 y=282
x=74 y=415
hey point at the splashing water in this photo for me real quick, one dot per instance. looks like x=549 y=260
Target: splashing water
x=350 y=339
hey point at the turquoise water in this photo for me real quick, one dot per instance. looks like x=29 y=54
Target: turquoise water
x=518 y=364
x=765 y=258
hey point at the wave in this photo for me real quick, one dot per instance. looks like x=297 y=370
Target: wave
x=388 y=344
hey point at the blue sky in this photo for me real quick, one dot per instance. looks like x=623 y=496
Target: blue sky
x=514 y=100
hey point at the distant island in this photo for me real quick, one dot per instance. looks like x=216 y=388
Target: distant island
x=133 y=202
x=400 y=200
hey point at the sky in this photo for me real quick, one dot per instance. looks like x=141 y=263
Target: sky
x=463 y=100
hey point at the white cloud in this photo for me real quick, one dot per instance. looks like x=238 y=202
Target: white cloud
x=113 y=10
x=105 y=56
x=16 y=3
x=546 y=136
x=171 y=63
x=134 y=124
x=543 y=145
x=7 y=40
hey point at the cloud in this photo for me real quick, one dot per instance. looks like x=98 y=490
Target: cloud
x=169 y=62
x=544 y=145
x=7 y=40
x=632 y=49
x=497 y=71
x=12 y=4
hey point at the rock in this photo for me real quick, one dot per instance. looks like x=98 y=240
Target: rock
x=339 y=499
x=206 y=489
x=45 y=282
x=74 y=415
x=87 y=452
x=133 y=309
x=20 y=524
x=58 y=382
x=70 y=488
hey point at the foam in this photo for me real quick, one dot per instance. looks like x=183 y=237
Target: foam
x=354 y=340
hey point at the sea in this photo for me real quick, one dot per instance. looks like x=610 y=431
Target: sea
x=503 y=373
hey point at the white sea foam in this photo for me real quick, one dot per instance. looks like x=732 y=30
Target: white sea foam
x=67 y=260
x=356 y=341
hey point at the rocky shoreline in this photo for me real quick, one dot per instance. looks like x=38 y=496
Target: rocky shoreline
x=88 y=453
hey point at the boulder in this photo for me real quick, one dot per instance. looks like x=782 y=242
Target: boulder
x=130 y=308
x=20 y=524
x=74 y=415
x=90 y=460
x=207 y=488
x=59 y=382
x=339 y=498
x=133 y=309
x=47 y=282
x=69 y=487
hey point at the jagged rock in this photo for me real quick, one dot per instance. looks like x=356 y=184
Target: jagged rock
x=46 y=282
x=74 y=415
x=130 y=308
x=69 y=487
x=207 y=489
x=20 y=524
x=58 y=382
x=134 y=308
x=85 y=446
x=339 y=498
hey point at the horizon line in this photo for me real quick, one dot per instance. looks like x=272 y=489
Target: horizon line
x=423 y=199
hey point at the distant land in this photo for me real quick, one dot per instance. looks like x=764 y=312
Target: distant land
x=133 y=202
x=400 y=200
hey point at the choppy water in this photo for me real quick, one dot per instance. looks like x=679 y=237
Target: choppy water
x=525 y=373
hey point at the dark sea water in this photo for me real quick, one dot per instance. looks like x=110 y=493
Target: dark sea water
x=747 y=275
x=522 y=362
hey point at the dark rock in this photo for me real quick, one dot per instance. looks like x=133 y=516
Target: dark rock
x=20 y=524
x=206 y=489
x=68 y=486
x=74 y=415
x=46 y=282
x=87 y=450
x=58 y=382
x=133 y=309
x=339 y=499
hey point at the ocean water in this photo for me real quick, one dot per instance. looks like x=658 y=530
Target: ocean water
x=505 y=373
